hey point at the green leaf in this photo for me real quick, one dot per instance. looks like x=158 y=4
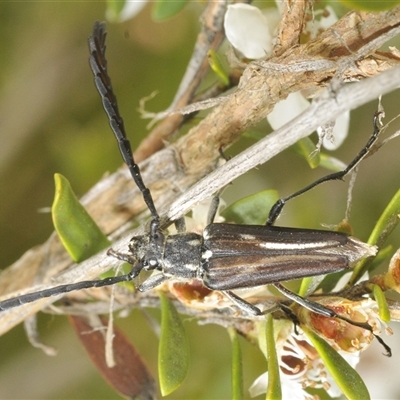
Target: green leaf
x=274 y=390
x=306 y=148
x=163 y=9
x=370 y=5
x=383 y=228
x=331 y=163
x=384 y=313
x=173 y=350
x=345 y=376
x=387 y=221
x=384 y=254
x=305 y=285
x=216 y=66
x=252 y=209
x=79 y=234
x=237 y=367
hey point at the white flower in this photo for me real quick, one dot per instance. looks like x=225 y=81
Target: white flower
x=300 y=364
x=294 y=105
x=249 y=30
x=130 y=9
x=287 y=109
x=300 y=367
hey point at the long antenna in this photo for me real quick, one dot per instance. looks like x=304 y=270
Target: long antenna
x=277 y=207
x=62 y=289
x=98 y=63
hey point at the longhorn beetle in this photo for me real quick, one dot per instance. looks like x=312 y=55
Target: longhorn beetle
x=226 y=256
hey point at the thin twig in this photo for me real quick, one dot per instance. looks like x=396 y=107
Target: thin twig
x=322 y=110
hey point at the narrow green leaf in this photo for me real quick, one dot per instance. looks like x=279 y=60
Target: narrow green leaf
x=331 y=163
x=216 y=66
x=237 y=367
x=306 y=283
x=274 y=390
x=79 y=234
x=387 y=221
x=383 y=228
x=384 y=313
x=163 y=9
x=384 y=254
x=252 y=209
x=173 y=350
x=306 y=148
x=345 y=376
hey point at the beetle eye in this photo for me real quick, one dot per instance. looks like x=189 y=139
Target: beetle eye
x=152 y=263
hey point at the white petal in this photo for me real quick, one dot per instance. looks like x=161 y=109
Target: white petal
x=339 y=133
x=259 y=386
x=287 y=109
x=291 y=388
x=130 y=9
x=273 y=18
x=247 y=30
